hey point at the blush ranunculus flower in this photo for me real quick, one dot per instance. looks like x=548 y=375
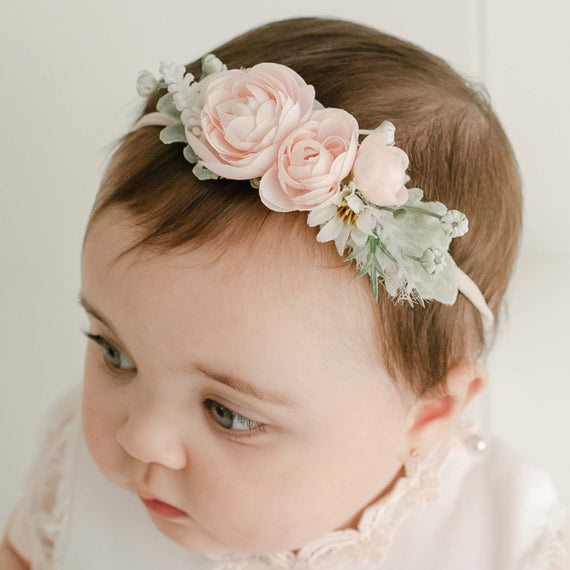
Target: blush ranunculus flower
x=311 y=162
x=246 y=115
x=379 y=170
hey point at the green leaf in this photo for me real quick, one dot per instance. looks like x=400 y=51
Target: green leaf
x=363 y=271
x=190 y=155
x=415 y=196
x=386 y=252
x=173 y=133
x=374 y=281
x=202 y=173
x=166 y=105
x=441 y=286
x=353 y=254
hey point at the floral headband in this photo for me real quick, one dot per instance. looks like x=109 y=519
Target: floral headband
x=264 y=125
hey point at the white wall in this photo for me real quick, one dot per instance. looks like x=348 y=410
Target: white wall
x=69 y=71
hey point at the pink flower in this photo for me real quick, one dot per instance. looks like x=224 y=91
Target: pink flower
x=246 y=115
x=379 y=170
x=311 y=162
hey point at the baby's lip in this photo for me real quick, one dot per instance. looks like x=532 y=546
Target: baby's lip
x=164 y=509
x=147 y=497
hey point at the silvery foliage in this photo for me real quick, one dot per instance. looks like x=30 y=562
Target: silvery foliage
x=183 y=103
x=408 y=249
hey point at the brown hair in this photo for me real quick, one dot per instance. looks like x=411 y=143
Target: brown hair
x=459 y=155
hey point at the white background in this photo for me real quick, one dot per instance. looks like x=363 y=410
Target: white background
x=68 y=73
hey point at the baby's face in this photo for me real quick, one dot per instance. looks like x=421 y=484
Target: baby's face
x=253 y=475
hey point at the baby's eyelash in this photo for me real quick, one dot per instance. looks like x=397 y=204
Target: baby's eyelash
x=117 y=372
x=254 y=426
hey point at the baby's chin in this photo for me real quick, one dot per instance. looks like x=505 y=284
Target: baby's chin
x=188 y=534
x=191 y=536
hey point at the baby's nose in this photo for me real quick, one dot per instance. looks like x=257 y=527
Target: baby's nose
x=151 y=434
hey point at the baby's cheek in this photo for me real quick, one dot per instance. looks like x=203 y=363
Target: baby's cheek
x=243 y=514
x=98 y=423
x=254 y=504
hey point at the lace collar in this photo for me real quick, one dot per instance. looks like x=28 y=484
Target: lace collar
x=377 y=524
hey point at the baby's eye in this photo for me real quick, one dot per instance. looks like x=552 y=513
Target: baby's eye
x=114 y=358
x=232 y=421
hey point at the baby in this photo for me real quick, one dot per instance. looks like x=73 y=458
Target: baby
x=251 y=393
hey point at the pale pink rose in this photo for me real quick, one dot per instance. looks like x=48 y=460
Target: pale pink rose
x=379 y=171
x=311 y=162
x=246 y=115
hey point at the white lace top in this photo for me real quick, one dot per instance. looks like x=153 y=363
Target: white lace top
x=468 y=504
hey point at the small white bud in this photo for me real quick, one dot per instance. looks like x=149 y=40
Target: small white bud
x=455 y=223
x=211 y=64
x=146 y=83
x=432 y=260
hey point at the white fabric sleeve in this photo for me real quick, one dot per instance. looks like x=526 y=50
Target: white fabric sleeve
x=551 y=548
x=38 y=518
x=556 y=551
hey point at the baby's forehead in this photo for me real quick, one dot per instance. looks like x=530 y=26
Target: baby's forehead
x=276 y=284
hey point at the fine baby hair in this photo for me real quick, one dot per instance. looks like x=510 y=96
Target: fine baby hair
x=458 y=155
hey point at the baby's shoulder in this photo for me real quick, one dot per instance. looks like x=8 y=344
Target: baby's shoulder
x=506 y=472
x=40 y=515
x=506 y=496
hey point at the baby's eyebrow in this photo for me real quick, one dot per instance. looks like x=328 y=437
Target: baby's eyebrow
x=237 y=384
x=250 y=389
x=94 y=312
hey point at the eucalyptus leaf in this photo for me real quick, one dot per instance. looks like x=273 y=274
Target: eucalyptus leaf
x=190 y=155
x=415 y=196
x=203 y=173
x=173 y=133
x=391 y=272
x=441 y=286
x=166 y=105
x=416 y=232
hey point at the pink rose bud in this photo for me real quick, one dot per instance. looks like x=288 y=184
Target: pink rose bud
x=379 y=170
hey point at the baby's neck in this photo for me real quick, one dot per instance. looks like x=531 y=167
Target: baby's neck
x=353 y=521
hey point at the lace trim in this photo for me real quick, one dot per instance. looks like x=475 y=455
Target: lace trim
x=63 y=493
x=551 y=549
x=377 y=525
x=44 y=513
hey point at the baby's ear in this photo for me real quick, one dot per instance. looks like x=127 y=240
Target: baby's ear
x=433 y=414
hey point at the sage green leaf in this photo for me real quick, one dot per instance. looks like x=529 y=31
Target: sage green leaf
x=190 y=155
x=415 y=196
x=393 y=278
x=202 y=173
x=441 y=286
x=416 y=232
x=166 y=105
x=173 y=133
